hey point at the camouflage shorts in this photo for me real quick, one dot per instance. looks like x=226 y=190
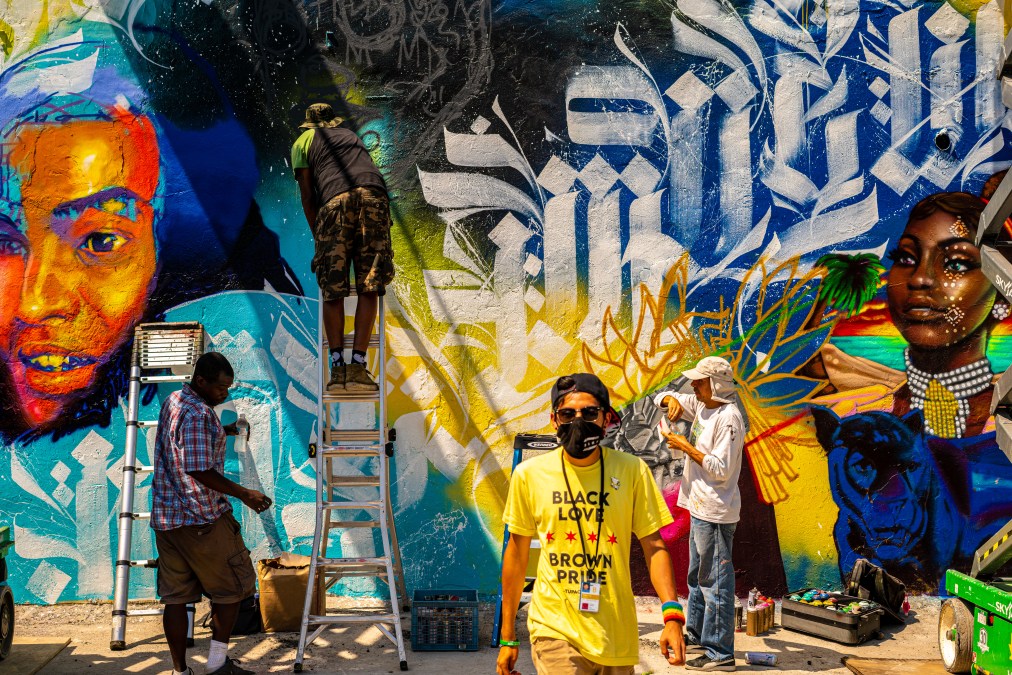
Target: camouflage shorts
x=353 y=230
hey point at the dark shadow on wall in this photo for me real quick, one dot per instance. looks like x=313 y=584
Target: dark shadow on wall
x=425 y=63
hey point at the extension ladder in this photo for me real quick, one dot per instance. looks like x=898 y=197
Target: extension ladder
x=157 y=347
x=525 y=446
x=373 y=447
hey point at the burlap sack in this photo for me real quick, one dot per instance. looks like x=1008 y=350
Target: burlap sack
x=283 y=582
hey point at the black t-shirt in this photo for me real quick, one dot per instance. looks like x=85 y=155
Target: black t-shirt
x=339 y=162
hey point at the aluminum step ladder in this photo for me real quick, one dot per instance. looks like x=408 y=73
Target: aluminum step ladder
x=525 y=446
x=157 y=347
x=355 y=459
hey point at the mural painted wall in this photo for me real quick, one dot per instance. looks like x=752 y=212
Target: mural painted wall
x=616 y=187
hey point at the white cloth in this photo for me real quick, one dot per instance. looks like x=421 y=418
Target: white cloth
x=709 y=491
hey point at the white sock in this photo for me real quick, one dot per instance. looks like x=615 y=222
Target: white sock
x=181 y=672
x=216 y=656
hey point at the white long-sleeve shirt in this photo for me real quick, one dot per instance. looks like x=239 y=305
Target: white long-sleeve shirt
x=710 y=491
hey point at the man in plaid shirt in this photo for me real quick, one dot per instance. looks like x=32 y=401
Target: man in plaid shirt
x=200 y=548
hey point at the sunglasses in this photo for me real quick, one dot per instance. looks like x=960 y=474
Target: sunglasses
x=591 y=412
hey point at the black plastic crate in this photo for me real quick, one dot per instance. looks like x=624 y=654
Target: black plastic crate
x=444 y=621
x=851 y=629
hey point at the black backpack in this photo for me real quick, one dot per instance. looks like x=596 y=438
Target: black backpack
x=871 y=582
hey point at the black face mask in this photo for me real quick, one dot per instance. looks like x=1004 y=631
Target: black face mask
x=579 y=438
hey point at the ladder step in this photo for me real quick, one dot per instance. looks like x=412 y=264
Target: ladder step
x=160 y=379
x=350 y=396
x=351 y=524
x=352 y=562
x=353 y=481
x=364 y=572
x=365 y=618
x=355 y=435
x=142 y=515
x=351 y=505
x=349 y=339
x=352 y=450
x=144 y=612
x=147 y=424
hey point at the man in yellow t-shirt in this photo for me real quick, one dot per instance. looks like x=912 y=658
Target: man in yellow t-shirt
x=584 y=504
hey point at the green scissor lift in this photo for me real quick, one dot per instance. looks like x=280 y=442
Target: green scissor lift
x=975 y=625
x=6 y=597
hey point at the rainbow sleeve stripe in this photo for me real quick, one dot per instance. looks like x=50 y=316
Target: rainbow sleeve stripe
x=672 y=611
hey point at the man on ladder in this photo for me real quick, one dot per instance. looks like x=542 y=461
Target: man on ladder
x=200 y=548
x=345 y=201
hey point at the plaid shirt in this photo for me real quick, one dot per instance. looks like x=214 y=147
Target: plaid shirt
x=190 y=438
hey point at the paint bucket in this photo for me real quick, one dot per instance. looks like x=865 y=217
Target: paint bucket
x=760 y=658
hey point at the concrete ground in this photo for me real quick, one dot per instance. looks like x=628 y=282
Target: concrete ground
x=364 y=650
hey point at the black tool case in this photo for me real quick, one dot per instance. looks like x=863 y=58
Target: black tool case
x=849 y=629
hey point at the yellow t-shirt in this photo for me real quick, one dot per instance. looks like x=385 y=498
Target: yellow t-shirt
x=539 y=504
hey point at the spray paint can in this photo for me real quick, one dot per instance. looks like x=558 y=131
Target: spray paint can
x=760 y=658
x=752 y=596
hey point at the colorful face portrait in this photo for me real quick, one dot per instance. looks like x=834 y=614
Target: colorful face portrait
x=113 y=211
x=77 y=252
x=937 y=294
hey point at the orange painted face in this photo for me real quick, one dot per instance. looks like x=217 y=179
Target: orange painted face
x=77 y=253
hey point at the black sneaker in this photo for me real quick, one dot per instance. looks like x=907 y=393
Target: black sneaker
x=706 y=663
x=231 y=667
x=693 y=648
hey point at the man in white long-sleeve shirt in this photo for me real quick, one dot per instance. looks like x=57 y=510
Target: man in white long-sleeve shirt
x=709 y=491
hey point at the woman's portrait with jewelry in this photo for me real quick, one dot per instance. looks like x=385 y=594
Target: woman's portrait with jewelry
x=935 y=480
x=945 y=308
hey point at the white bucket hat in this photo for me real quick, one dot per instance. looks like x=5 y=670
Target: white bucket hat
x=720 y=374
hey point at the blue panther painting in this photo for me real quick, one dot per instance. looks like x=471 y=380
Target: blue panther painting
x=894 y=506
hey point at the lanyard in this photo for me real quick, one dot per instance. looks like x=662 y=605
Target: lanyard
x=600 y=511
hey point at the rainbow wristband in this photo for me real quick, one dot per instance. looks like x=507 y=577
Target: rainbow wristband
x=672 y=611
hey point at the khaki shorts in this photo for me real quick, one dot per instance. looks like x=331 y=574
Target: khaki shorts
x=353 y=230
x=210 y=560
x=558 y=657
